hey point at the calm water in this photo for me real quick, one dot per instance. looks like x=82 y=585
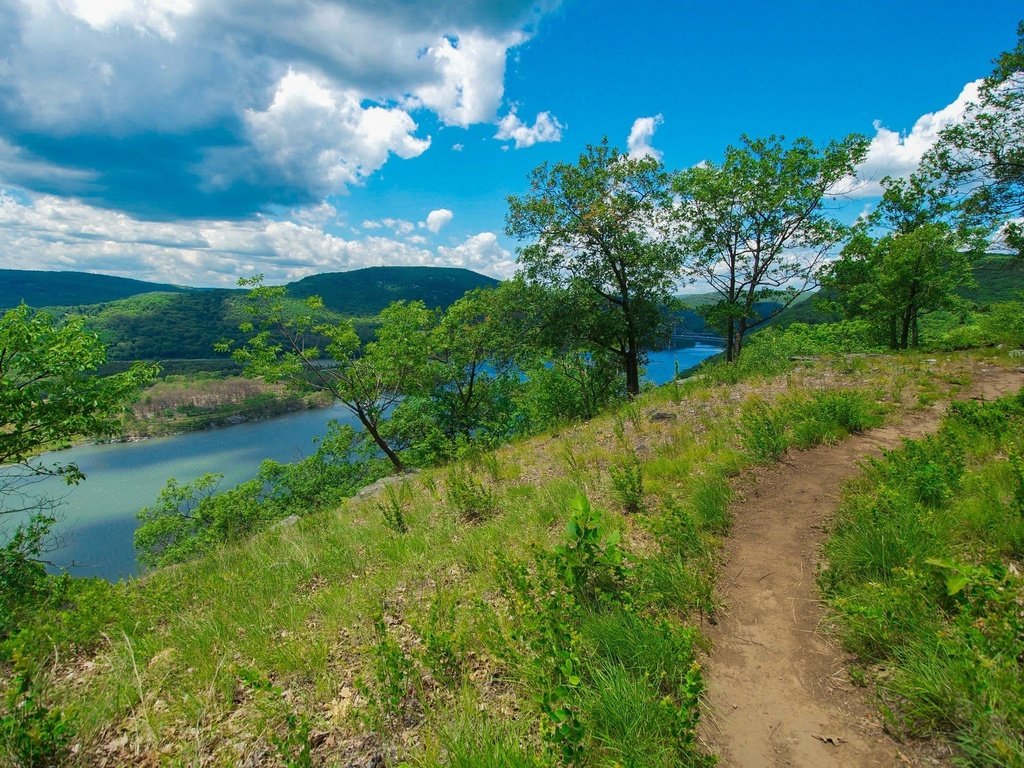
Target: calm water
x=99 y=515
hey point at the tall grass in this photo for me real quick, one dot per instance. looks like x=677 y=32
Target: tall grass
x=924 y=581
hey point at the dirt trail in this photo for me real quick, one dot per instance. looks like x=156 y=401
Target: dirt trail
x=778 y=688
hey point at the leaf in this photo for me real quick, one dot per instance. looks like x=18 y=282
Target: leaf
x=955 y=584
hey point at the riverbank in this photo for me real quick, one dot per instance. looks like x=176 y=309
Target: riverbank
x=179 y=404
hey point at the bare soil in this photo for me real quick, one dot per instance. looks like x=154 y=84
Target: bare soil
x=779 y=690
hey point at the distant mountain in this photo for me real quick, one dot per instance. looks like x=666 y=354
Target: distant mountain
x=365 y=292
x=62 y=289
x=151 y=321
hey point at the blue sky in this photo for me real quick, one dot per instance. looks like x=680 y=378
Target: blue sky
x=196 y=141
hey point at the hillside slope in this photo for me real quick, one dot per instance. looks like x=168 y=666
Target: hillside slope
x=38 y=288
x=446 y=640
x=365 y=292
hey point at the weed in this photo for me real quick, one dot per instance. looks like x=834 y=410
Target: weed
x=473 y=500
x=393 y=674
x=628 y=482
x=393 y=506
x=294 y=748
x=32 y=734
x=763 y=431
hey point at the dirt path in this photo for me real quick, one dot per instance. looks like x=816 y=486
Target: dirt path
x=778 y=688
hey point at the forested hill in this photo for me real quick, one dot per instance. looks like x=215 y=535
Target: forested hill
x=62 y=289
x=149 y=321
x=365 y=292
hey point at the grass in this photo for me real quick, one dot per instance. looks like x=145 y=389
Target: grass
x=924 y=581
x=504 y=626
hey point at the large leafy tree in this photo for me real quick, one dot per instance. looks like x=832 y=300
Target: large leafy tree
x=369 y=380
x=597 y=228
x=979 y=161
x=757 y=225
x=49 y=393
x=914 y=268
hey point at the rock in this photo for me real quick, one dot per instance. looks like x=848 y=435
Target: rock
x=287 y=522
x=663 y=416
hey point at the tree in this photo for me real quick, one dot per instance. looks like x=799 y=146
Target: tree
x=756 y=225
x=369 y=381
x=915 y=267
x=979 y=161
x=49 y=393
x=599 y=230
x=893 y=281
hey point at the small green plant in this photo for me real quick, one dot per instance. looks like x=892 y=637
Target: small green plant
x=492 y=466
x=440 y=650
x=590 y=561
x=393 y=673
x=763 y=431
x=294 y=748
x=473 y=500
x=574 y=464
x=33 y=735
x=393 y=507
x=628 y=482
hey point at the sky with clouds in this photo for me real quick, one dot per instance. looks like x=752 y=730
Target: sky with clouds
x=197 y=141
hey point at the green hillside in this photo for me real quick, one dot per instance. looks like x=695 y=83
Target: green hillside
x=148 y=321
x=62 y=289
x=365 y=292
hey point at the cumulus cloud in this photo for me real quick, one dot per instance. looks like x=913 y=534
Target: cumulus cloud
x=436 y=220
x=892 y=153
x=63 y=234
x=545 y=128
x=639 y=142
x=317 y=138
x=194 y=96
x=481 y=253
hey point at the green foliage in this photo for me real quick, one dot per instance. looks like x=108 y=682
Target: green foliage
x=294 y=747
x=469 y=497
x=392 y=507
x=919 y=582
x=589 y=562
x=981 y=152
x=757 y=223
x=48 y=393
x=369 y=381
x=573 y=386
x=191 y=519
x=895 y=280
x=599 y=239
x=627 y=475
x=32 y=734
x=763 y=431
x=394 y=676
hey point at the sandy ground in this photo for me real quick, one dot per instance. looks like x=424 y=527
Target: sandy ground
x=778 y=686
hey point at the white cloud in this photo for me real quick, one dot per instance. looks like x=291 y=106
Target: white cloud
x=314 y=137
x=545 y=128
x=436 y=220
x=471 y=80
x=482 y=253
x=62 y=234
x=228 y=83
x=896 y=154
x=457 y=147
x=639 y=142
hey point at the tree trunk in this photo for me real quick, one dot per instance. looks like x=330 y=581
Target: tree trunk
x=730 y=336
x=388 y=451
x=632 y=371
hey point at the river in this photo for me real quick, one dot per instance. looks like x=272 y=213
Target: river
x=98 y=516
